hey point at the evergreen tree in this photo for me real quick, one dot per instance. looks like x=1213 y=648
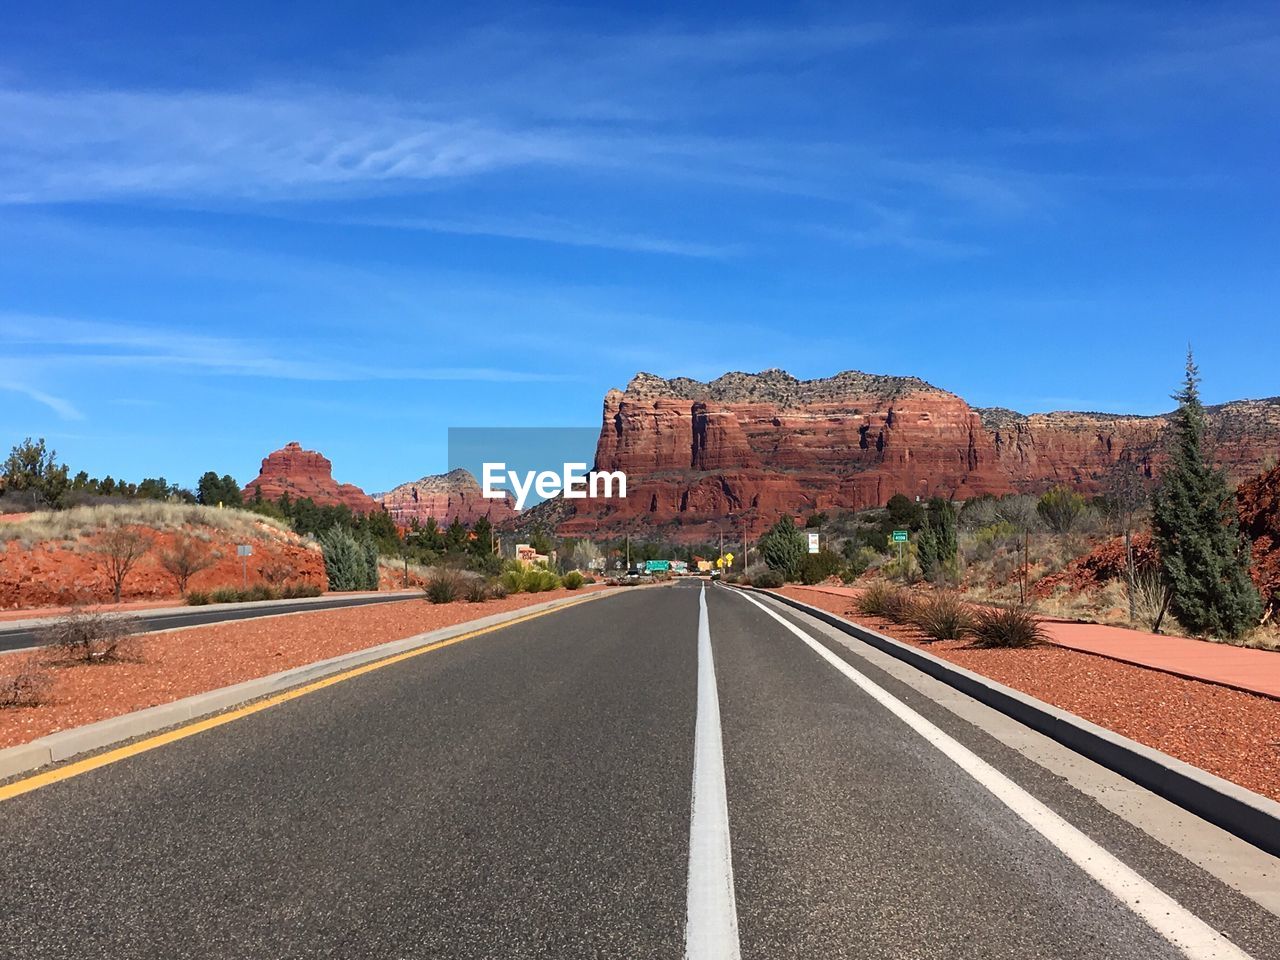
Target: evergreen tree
x=33 y=469
x=937 y=545
x=370 y=549
x=1204 y=560
x=345 y=561
x=784 y=548
x=482 y=545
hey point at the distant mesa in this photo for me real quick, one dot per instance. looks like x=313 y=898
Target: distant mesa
x=446 y=497
x=757 y=446
x=300 y=473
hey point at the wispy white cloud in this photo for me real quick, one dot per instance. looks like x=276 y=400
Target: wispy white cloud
x=62 y=407
x=71 y=343
x=553 y=230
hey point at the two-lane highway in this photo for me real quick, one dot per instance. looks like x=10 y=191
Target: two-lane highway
x=661 y=773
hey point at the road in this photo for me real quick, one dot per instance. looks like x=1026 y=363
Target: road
x=23 y=636
x=665 y=772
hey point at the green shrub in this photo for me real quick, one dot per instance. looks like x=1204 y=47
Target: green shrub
x=259 y=592
x=573 y=580
x=943 y=616
x=512 y=581
x=769 y=579
x=345 y=561
x=817 y=567
x=539 y=580
x=225 y=595
x=1007 y=628
x=371 y=565
x=297 y=591
x=197 y=598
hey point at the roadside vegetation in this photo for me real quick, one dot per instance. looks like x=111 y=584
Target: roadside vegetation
x=1170 y=556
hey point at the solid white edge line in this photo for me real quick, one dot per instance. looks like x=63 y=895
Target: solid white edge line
x=1195 y=938
x=711 y=918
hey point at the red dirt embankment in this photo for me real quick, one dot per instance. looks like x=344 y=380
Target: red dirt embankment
x=186 y=662
x=1226 y=732
x=57 y=559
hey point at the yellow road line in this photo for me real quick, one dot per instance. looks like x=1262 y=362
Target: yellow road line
x=75 y=768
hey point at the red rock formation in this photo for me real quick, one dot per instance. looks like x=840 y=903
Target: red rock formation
x=1258 y=501
x=445 y=496
x=757 y=446
x=306 y=473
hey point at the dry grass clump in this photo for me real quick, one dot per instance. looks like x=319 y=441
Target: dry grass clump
x=24 y=680
x=887 y=601
x=943 y=616
x=84 y=521
x=1007 y=628
x=85 y=637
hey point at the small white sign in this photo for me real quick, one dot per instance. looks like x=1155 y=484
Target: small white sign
x=244 y=550
x=813 y=543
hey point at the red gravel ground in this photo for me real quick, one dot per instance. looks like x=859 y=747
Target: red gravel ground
x=186 y=662
x=1231 y=734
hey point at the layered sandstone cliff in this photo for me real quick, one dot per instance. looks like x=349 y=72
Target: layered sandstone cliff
x=446 y=497
x=759 y=445
x=300 y=473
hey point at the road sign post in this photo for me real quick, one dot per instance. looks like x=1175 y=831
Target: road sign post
x=900 y=537
x=244 y=551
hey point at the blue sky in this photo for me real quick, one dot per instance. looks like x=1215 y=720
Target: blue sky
x=355 y=225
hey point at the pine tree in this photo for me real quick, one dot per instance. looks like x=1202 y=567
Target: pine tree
x=937 y=545
x=345 y=561
x=783 y=548
x=1204 y=560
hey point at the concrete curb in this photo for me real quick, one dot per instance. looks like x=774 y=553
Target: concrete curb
x=65 y=744
x=1248 y=815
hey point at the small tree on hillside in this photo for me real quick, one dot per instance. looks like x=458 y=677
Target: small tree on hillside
x=1204 y=559
x=783 y=548
x=187 y=557
x=213 y=490
x=33 y=469
x=1061 y=509
x=120 y=547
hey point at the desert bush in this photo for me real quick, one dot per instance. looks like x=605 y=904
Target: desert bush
x=476 y=590
x=942 y=616
x=444 y=587
x=276 y=572
x=187 y=557
x=85 y=637
x=225 y=595
x=769 y=579
x=1151 y=598
x=1061 y=509
x=1007 y=628
x=299 y=591
x=198 y=598
x=24 y=680
x=512 y=580
x=573 y=580
x=497 y=589
x=885 y=600
x=259 y=592
x=540 y=580
x=816 y=567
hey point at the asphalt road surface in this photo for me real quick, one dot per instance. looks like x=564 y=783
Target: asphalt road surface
x=21 y=637
x=662 y=773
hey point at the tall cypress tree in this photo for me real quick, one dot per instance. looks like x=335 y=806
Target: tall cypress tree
x=1204 y=559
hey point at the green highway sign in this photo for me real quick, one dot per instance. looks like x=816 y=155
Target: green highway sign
x=657 y=566
x=899 y=536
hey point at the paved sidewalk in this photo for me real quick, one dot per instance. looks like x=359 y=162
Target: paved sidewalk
x=1244 y=668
